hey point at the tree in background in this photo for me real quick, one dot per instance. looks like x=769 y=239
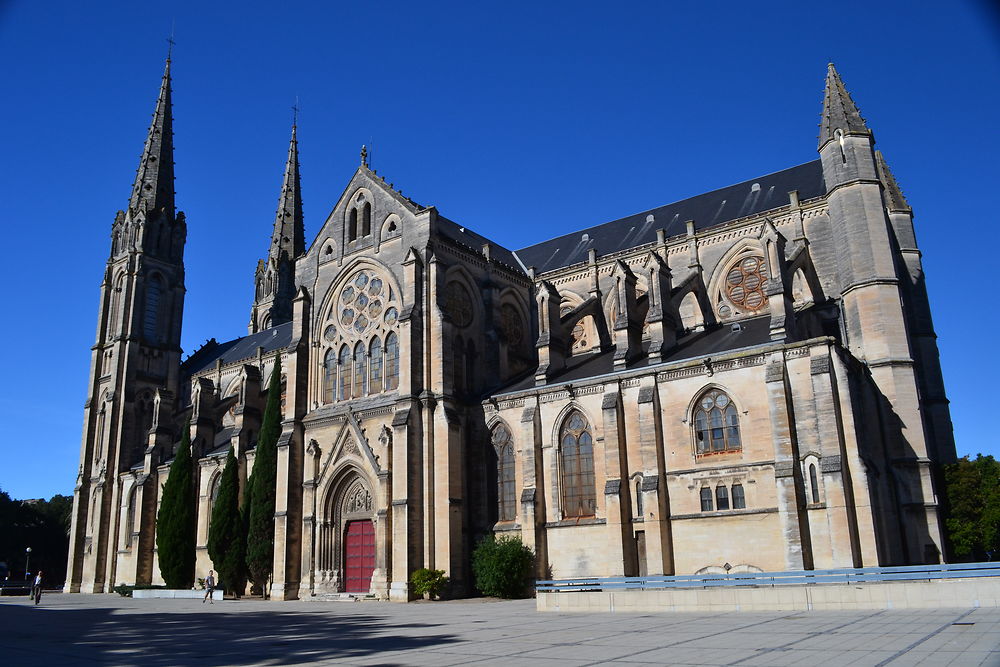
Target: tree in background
x=973 y=500
x=263 y=479
x=226 y=542
x=175 y=524
x=42 y=525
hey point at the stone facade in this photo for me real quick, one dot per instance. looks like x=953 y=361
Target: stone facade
x=746 y=380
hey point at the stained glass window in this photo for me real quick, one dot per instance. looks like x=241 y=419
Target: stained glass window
x=716 y=424
x=391 y=361
x=375 y=359
x=329 y=375
x=745 y=284
x=506 y=485
x=344 y=369
x=577 y=459
x=360 y=370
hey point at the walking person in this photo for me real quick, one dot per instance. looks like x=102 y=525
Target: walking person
x=36 y=588
x=209 y=587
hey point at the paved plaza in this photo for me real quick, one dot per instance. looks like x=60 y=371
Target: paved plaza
x=67 y=630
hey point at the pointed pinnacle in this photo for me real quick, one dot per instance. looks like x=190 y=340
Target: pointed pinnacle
x=153 y=188
x=839 y=110
x=289 y=231
x=894 y=195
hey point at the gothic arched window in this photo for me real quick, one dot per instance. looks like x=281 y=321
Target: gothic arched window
x=152 y=312
x=721 y=497
x=130 y=518
x=352 y=224
x=706 y=499
x=366 y=220
x=344 y=371
x=329 y=375
x=716 y=424
x=391 y=361
x=739 y=500
x=577 y=462
x=360 y=370
x=639 y=509
x=506 y=485
x=813 y=483
x=375 y=357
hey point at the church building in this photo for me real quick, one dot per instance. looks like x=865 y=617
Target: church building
x=745 y=380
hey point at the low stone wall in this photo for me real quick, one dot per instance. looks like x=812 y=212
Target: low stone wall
x=175 y=593
x=961 y=593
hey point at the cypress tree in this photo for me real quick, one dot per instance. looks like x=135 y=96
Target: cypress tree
x=226 y=543
x=260 y=534
x=175 y=523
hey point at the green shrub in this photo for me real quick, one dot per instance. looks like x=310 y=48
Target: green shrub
x=125 y=590
x=428 y=581
x=502 y=566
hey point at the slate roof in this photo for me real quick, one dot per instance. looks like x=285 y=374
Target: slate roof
x=712 y=208
x=466 y=237
x=275 y=338
x=718 y=340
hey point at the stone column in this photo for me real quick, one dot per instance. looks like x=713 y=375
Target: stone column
x=617 y=504
x=785 y=465
x=837 y=496
x=656 y=505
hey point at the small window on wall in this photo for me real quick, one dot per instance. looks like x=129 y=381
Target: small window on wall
x=721 y=498
x=716 y=424
x=706 y=499
x=813 y=483
x=739 y=500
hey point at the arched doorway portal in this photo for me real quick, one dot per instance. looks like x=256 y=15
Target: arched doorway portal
x=347 y=539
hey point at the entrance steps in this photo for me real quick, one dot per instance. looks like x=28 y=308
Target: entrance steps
x=341 y=597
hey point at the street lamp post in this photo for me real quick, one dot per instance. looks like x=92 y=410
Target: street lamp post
x=27 y=561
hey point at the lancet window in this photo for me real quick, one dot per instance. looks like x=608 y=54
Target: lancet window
x=506 y=486
x=576 y=457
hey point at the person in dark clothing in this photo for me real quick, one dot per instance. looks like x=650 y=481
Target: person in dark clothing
x=209 y=587
x=36 y=588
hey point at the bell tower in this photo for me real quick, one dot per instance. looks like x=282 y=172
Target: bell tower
x=135 y=364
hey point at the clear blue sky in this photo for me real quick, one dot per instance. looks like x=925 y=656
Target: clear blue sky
x=519 y=120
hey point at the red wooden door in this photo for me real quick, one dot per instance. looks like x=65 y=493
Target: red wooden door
x=359 y=556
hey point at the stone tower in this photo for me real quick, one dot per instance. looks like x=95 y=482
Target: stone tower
x=274 y=281
x=135 y=362
x=886 y=324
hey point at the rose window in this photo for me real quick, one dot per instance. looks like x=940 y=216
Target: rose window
x=362 y=304
x=745 y=284
x=458 y=304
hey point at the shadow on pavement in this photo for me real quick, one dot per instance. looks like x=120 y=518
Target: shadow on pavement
x=111 y=635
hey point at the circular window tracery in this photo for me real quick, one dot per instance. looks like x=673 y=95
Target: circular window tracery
x=458 y=304
x=362 y=303
x=745 y=284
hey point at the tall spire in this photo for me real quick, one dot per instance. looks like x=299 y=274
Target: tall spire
x=839 y=110
x=154 y=180
x=289 y=231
